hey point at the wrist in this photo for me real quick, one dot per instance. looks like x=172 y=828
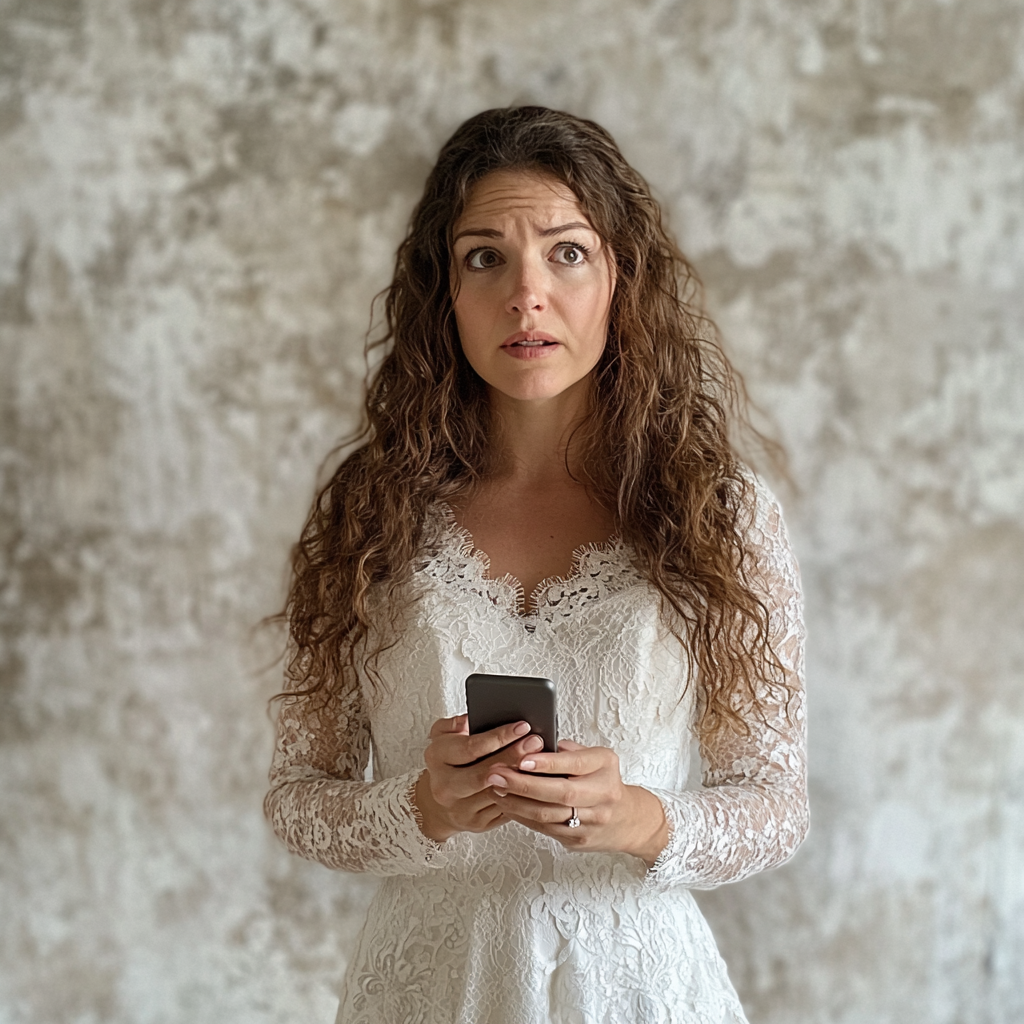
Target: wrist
x=651 y=829
x=430 y=815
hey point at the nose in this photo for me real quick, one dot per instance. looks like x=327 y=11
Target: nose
x=527 y=293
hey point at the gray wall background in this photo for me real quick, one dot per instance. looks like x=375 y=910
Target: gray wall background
x=198 y=200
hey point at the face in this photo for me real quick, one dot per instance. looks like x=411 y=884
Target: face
x=533 y=286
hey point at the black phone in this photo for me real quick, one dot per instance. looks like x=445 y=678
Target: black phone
x=494 y=700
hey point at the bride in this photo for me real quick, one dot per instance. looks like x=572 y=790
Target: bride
x=546 y=486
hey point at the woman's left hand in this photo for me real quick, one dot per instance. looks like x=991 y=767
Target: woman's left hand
x=613 y=817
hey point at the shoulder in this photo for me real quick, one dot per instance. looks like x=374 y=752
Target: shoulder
x=755 y=502
x=759 y=522
x=762 y=529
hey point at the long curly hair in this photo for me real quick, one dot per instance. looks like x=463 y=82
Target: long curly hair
x=654 y=449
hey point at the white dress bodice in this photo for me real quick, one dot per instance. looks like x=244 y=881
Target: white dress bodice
x=509 y=927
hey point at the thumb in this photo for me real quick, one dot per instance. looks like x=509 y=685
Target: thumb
x=447 y=726
x=570 y=745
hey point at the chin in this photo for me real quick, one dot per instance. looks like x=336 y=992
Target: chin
x=531 y=390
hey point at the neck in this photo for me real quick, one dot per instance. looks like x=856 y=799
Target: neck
x=533 y=436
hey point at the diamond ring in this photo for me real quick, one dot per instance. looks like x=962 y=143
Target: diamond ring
x=574 y=821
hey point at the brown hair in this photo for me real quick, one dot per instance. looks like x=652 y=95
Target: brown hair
x=655 y=448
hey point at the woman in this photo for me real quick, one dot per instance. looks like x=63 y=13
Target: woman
x=546 y=487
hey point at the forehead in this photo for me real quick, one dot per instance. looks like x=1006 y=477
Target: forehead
x=502 y=194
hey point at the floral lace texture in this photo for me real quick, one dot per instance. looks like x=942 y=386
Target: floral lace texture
x=509 y=927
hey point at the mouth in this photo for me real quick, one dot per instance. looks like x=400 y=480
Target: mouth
x=529 y=339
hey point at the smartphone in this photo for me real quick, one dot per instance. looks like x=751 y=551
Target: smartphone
x=494 y=700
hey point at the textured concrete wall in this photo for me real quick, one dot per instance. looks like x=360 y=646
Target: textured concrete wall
x=197 y=201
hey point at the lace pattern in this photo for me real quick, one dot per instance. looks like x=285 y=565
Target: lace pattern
x=320 y=808
x=596 y=570
x=509 y=927
x=752 y=813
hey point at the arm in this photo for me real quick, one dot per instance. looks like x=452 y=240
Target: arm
x=321 y=808
x=751 y=813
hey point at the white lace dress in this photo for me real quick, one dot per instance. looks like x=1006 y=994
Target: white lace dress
x=509 y=927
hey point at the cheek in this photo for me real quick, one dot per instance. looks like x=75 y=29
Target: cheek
x=473 y=301
x=591 y=306
x=467 y=316
x=474 y=320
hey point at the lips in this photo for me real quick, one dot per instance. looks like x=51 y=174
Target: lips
x=529 y=340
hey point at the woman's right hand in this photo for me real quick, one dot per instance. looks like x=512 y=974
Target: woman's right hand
x=452 y=794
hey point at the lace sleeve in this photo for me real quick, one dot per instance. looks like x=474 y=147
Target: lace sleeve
x=751 y=813
x=322 y=809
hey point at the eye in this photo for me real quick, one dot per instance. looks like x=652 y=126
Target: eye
x=482 y=259
x=573 y=254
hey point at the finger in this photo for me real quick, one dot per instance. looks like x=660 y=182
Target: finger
x=577 y=791
x=461 y=797
x=533 y=812
x=490 y=818
x=477 y=804
x=454 y=780
x=459 y=750
x=510 y=757
x=569 y=745
x=580 y=761
x=465 y=777
x=450 y=753
x=482 y=744
x=451 y=785
x=535 y=826
x=447 y=726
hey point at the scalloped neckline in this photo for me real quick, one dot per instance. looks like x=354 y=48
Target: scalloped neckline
x=469 y=550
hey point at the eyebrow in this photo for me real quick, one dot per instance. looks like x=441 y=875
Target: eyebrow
x=546 y=233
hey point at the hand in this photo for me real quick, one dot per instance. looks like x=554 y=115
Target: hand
x=613 y=817
x=453 y=794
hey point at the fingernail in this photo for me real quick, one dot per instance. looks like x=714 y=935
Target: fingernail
x=497 y=781
x=527 y=766
x=522 y=729
x=534 y=743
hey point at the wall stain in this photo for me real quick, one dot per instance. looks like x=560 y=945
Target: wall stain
x=14 y=303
